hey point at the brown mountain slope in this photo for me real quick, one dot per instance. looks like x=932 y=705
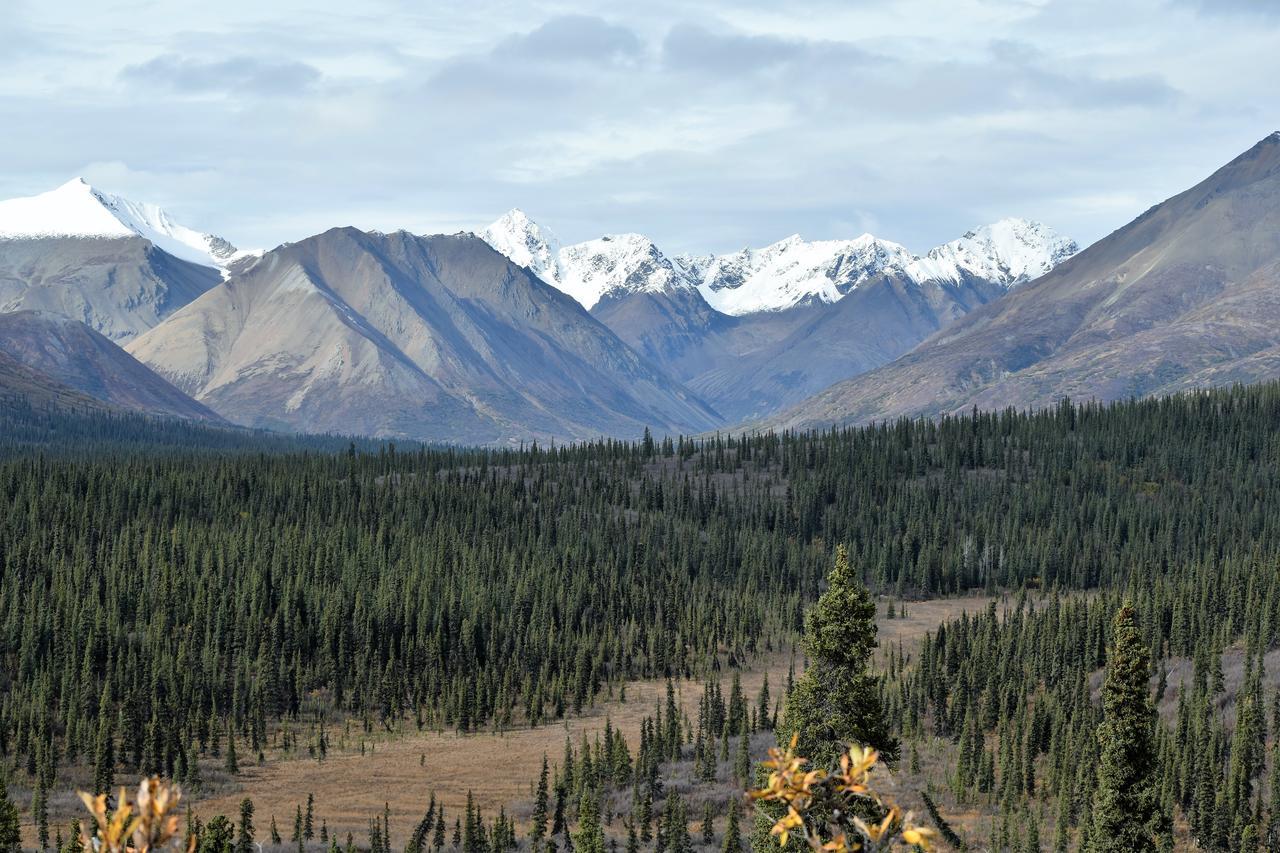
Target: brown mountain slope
x=1187 y=294
x=21 y=385
x=48 y=357
x=435 y=338
x=119 y=286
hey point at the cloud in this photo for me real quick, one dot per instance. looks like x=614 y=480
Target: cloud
x=572 y=38
x=690 y=46
x=246 y=75
x=708 y=124
x=1259 y=8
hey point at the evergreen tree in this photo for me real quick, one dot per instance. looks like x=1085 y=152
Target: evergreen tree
x=217 y=836
x=309 y=819
x=104 y=757
x=732 y=842
x=590 y=835
x=231 y=765
x=245 y=830
x=1126 y=807
x=836 y=701
x=538 y=821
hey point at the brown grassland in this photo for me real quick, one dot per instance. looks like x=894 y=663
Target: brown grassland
x=400 y=769
x=498 y=769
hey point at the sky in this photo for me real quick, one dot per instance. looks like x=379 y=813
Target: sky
x=707 y=125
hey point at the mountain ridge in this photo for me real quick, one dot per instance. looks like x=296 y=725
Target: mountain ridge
x=74 y=356
x=437 y=338
x=1186 y=293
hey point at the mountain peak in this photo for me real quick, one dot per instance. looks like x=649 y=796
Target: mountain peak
x=525 y=242
x=1009 y=251
x=75 y=209
x=792 y=271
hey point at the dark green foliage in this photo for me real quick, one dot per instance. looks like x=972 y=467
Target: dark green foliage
x=217 y=836
x=161 y=603
x=836 y=701
x=944 y=829
x=590 y=836
x=732 y=842
x=10 y=827
x=1126 y=803
x=538 y=820
x=245 y=829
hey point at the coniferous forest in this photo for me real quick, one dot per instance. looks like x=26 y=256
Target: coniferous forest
x=167 y=589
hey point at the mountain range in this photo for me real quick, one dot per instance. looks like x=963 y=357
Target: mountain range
x=759 y=329
x=1185 y=296
x=509 y=335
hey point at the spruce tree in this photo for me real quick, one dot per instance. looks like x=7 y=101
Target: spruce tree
x=231 y=765
x=309 y=818
x=590 y=835
x=1126 y=816
x=104 y=757
x=836 y=701
x=732 y=842
x=245 y=830
x=538 y=822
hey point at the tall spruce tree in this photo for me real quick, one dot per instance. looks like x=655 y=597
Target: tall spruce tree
x=1126 y=804
x=538 y=821
x=245 y=830
x=590 y=835
x=836 y=701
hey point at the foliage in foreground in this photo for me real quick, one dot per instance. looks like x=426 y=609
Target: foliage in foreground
x=827 y=808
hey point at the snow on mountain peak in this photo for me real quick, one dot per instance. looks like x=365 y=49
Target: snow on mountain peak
x=524 y=241
x=76 y=209
x=790 y=272
x=1010 y=252
x=794 y=271
x=588 y=271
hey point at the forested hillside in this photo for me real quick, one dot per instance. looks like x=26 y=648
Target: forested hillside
x=155 y=604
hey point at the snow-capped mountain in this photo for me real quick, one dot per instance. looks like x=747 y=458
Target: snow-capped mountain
x=783 y=275
x=117 y=266
x=613 y=265
x=527 y=243
x=76 y=209
x=795 y=271
x=1011 y=251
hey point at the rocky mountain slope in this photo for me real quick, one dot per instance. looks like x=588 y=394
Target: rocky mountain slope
x=116 y=265
x=1186 y=295
x=435 y=338
x=46 y=355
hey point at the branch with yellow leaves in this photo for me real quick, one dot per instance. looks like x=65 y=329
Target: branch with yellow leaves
x=148 y=823
x=827 y=808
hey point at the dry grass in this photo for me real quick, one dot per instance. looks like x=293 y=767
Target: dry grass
x=498 y=768
x=401 y=769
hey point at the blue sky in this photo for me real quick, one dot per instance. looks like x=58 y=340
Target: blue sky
x=705 y=124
